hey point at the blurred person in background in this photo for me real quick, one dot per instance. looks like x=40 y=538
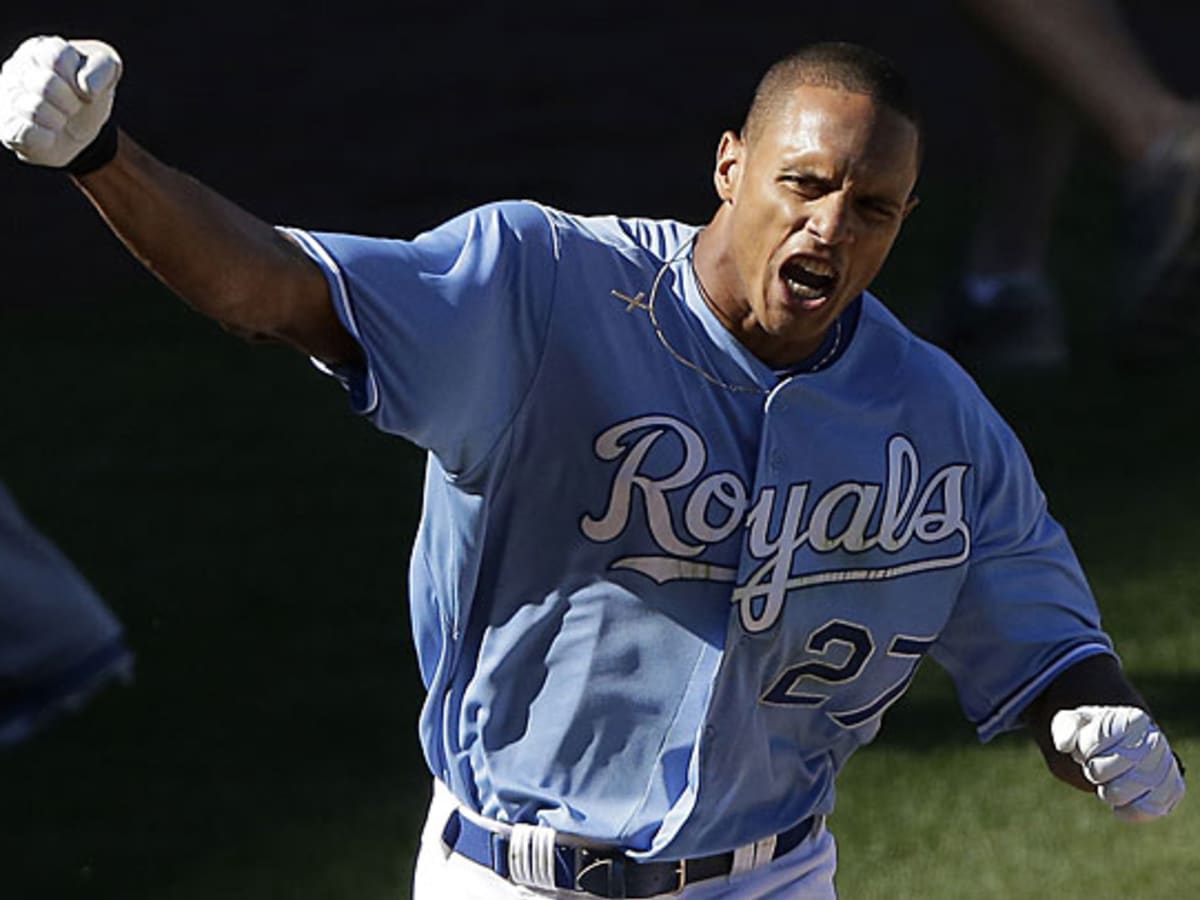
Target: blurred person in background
x=1003 y=312
x=59 y=643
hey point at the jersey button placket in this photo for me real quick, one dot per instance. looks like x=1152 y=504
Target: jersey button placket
x=776 y=405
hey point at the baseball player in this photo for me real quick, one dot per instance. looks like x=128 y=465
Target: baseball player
x=58 y=642
x=696 y=507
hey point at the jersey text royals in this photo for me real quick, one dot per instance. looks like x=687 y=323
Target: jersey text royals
x=854 y=516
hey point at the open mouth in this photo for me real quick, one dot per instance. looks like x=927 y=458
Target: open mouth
x=808 y=279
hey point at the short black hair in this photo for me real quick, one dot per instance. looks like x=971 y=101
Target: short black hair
x=834 y=64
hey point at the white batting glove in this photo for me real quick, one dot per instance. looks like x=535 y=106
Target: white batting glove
x=55 y=96
x=1125 y=755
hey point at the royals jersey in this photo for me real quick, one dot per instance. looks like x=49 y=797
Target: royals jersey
x=58 y=641
x=660 y=592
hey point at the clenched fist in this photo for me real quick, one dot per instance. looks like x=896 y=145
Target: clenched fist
x=1125 y=755
x=55 y=97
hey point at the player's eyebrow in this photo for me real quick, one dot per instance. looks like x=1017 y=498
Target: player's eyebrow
x=882 y=201
x=809 y=175
x=808 y=164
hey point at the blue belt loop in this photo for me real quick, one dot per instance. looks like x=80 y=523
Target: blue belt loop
x=499 y=849
x=452 y=830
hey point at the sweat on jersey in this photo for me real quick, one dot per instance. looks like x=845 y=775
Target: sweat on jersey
x=660 y=595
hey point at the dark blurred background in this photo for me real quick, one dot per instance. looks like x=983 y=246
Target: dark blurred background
x=251 y=534
x=389 y=117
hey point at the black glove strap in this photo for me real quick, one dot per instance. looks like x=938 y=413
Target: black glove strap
x=98 y=153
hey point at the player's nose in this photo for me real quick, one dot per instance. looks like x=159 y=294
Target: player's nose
x=829 y=220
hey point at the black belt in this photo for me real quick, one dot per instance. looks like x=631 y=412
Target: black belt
x=605 y=872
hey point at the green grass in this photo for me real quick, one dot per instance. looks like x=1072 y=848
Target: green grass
x=947 y=819
x=253 y=536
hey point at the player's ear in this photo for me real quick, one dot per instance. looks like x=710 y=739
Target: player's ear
x=728 y=172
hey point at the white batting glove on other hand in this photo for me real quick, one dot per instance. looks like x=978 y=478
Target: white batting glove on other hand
x=55 y=97
x=1125 y=755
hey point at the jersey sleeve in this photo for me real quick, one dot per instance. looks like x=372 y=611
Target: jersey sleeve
x=1025 y=612
x=451 y=324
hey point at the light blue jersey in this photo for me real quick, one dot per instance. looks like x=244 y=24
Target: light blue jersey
x=58 y=641
x=660 y=594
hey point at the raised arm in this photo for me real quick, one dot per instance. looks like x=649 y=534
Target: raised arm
x=55 y=105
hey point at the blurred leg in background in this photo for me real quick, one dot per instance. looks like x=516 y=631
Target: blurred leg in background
x=1004 y=313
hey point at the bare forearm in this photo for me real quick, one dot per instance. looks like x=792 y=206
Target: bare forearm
x=225 y=262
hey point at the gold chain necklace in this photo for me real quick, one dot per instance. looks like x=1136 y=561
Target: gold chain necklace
x=632 y=302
